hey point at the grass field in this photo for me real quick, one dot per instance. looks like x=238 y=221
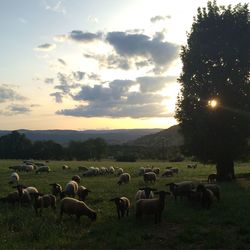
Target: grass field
x=225 y=226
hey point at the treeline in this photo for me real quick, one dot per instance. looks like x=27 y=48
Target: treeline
x=17 y=146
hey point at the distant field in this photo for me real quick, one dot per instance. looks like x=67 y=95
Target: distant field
x=225 y=226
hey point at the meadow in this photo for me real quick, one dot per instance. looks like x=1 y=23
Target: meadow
x=184 y=226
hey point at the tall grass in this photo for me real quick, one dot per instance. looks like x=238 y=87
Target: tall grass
x=225 y=226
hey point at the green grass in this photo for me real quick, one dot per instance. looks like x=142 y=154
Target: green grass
x=225 y=226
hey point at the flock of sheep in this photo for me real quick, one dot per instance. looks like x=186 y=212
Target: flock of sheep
x=148 y=201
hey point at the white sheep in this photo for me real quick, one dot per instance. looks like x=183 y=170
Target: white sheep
x=14 y=178
x=56 y=189
x=149 y=177
x=152 y=206
x=122 y=206
x=82 y=193
x=24 y=193
x=70 y=189
x=43 y=169
x=119 y=171
x=72 y=206
x=43 y=201
x=76 y=178
x=145 y=193
x=124 y=178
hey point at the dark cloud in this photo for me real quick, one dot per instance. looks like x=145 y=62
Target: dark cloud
x=49 y=80
x=79 y=36
x=15 y=109
x=8 y=94
x=78 y=75
x=62 y=61
x=160 y=53
x=159 y=18
x=45 y=47
x=94 y=76
x=58 y=96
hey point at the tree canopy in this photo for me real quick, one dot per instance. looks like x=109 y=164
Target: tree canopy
x=213 y=107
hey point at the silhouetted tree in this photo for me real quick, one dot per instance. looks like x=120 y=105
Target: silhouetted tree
x=216 y=66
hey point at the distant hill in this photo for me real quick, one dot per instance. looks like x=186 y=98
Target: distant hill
x=170 y=137
x=117 y=136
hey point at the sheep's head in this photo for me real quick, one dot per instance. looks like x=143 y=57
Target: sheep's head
x=147 y=191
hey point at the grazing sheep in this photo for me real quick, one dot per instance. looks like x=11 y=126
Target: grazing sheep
x=175 y=170
x=23 y=167
x=70 y=189
x=212 y=178
x=181 y=188
x=119 y=171
x=156 y=171
x=152 y=206
x=72 y=206
x=14 y=178
x=89 y=172
x=76 y=178
x=149 y=177
x=29 y=168
x=124 y=178
x=145 y=193
x=141 y=171
x=43 y=169
x=56 y=189
x=11 y=198
x=43 y=201
x=122 y=206
x=111 y=170
x=215 y=189
x=65 y=167
x=167 y=173
x=81 y=168
x=24 y=193
x=207 y=196
x=193 y=165
x=82 y=193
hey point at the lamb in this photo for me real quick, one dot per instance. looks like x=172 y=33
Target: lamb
x=56 y=189
x=212 y=178
x=207 y=196
x=122 y=206
x=124 y=178
x=43 y=169
x=14 y=178
x=152 y=206
x=181 y=188
x=145 y=193
x=76 y=178
x=82 y=193
x=149 y=177
x=72 y=206
x=43 y=201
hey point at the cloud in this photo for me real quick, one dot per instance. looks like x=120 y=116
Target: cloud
x=116 y=100
x=62 y=61
x=57 y=7
x=93 y=19
x=15 y=109
x=49 y=80
x=79 y=36
x=159 y=18
x=45 y=47
x=60 y=38
x=157 y=51
x=8 y=94
x=58 y=96
x=78 y=75
x=154 y=83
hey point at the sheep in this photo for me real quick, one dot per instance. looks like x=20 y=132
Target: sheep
x=76 y=178
x=56 y=189
x=81 y=168
x=122 y=206
x=156 y=171
x=65 y=167
x=175 y=170
x=70 y=189
x=145 y=193
x=152 y=206
x=167 y=173
x=141 y=171
x=149 y=177
x=207 y=196
x=192 y=165
x=24 y=193
x=181 y=188
x=119 y=171
x=89 y=172
x=22 y=167
x=82 y=193
x=212 y=178
x=215 y=189
x=43 y=201
x=28 y=168
x=124 y=178
x=72 y=206
x=111 y=170
x=43 y=169
x=11 y=198
x=14 y=178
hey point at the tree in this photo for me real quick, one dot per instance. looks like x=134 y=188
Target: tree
x=213 y=107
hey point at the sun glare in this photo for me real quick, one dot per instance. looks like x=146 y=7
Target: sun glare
x=213 y=103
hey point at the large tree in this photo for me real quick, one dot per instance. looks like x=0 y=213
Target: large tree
x=213 y=107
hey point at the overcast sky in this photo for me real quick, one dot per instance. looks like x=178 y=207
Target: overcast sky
x=93 y=64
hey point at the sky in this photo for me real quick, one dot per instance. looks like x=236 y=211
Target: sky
x=92 y=64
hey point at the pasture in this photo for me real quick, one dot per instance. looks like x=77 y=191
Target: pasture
x=185 y=226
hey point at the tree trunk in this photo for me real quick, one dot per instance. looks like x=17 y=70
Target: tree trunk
x=225 y=170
